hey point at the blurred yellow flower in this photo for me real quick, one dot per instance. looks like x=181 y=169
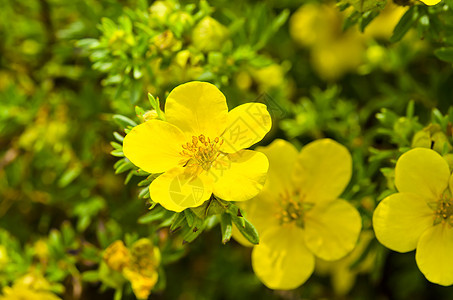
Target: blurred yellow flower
x=17 y=292
x=313 y=23
x=299 y=215
x=333 y=52
x=117 y=256
x=138 y=265
x=142 y=270
x=200 y=148
x=383 y=25
x=31 y=286
x=420 y=216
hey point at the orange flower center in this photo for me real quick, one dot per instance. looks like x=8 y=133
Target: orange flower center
x=443 y=212
x=293 y=208
x=201 y=152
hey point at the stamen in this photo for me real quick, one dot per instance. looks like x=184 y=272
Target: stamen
x=293 y=208
x=443 y=210
x=202 y=152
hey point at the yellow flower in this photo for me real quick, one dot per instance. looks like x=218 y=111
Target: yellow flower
x=430 y=2
x=383 y=25
x=420 y=216
x=17 y=292
x=31 y=286
x=138 y=265
x=117 y=256
x=299 y=215
x=142 y=271
x=200 y=148
x=333 y=52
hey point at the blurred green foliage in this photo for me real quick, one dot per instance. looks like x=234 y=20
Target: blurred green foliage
x=73 y=72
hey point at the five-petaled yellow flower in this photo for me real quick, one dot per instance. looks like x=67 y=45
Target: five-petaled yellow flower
x=299 y=215
x=200 y=148
x=420 y=216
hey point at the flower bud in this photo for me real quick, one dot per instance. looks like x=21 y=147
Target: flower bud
x=209 y=35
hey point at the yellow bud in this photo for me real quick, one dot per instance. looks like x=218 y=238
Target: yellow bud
x=182 y=57
x=150 y=115
x=160 y=10
x=269 y=77
x=243 y=80
x=209 y=35
x=166 y=41
x=431 y=137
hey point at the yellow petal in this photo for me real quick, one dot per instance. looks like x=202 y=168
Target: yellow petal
x=332 y=231
x=154 y=146
x=239 y=176
x=323 y=170
x=400 y=219
x=281 y=260
x=197 y=108
x=422 y=171
x=177 y=189
x=247 y=124
x=434 y=254
x=282 y=157
x=430 y=2
x=261 y=210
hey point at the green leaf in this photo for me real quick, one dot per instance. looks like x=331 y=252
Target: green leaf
x=247 y=229
x=177 y=222
x=118 y=137
x=123 y=167
x=156 y=214
x=406 y=22
x=445 y=54
x=117 y=153
x=90 y=276
x=190 y=217
x=144 y=193
x=123 y=121
x=226 y=227
x=156 y=105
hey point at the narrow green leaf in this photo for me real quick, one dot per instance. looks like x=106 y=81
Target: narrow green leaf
x=406 y=22
x=445 y=54
x=178 y=221
x=118 y=137
x=247 y=229
x=226 y=227
x=189 y=217
x=123 y=121
x=155 y=214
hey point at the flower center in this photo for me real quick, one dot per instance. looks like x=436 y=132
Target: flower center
x=201 y=152
x=293 y=208
x=443 y=211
